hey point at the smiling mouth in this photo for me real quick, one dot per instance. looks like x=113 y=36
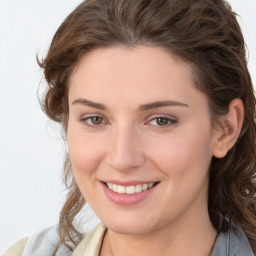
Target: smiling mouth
x=130 y=190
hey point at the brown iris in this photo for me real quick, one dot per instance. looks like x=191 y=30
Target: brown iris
x=161 y=121
x=96 y=120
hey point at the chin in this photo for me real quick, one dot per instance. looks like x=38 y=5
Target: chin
x=130 y=226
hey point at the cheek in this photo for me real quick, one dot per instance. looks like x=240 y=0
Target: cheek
x=184 y=162
x=86 y=153
x=183 y=152
x=85 y=150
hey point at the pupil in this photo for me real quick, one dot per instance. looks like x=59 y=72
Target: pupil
x=96 y=120
x=162 y=121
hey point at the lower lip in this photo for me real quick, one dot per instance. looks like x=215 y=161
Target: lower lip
x=125 y=199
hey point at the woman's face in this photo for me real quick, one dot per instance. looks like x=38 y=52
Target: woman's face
x=137 y=120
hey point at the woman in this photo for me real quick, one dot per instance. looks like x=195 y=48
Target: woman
x=158 y=109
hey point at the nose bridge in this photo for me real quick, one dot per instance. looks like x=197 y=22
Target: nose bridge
x=125 y=151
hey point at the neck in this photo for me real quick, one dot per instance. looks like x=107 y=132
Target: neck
x=191 y=237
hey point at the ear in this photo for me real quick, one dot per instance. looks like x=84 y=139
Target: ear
x=228 y=132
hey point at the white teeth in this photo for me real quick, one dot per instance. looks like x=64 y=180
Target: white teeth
x=138 y=188
x=129 y=189
x=145 y=187
x=114 y=188
x=120 y=189
x=150 y=185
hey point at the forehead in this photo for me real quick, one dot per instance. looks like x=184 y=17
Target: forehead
x=144 y=73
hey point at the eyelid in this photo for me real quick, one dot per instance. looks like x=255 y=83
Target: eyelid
x=171 y=121
x=85 y=118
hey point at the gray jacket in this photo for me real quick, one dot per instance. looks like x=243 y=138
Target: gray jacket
x=233 y=242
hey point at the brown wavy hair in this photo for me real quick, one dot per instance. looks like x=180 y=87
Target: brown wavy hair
x=204 y=33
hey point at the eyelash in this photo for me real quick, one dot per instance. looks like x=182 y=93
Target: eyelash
x=170 y=122
x=85 y=121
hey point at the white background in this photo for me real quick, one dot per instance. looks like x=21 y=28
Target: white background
x=31 y=148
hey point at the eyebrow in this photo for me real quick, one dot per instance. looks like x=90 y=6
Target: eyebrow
x=89 y=103
x=143 y=107
x=159 y=104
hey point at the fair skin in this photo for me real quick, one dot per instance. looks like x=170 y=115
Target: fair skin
x=116 y=135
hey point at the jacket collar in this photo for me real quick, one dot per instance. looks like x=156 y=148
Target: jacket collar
x=232 y=242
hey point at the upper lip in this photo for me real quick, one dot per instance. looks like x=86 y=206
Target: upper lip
x=128 y=183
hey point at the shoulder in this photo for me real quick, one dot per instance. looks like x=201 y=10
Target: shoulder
x=40 y=244
x=91 y=244
x=239 y=244
x=44 y=243
x=18 y=248
x=232 y=242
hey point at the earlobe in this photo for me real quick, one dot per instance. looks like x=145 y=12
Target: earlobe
x=230 y=128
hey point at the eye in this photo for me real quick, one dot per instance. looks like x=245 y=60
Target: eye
x=96 y=120
x=93 y=121
x=162 y=121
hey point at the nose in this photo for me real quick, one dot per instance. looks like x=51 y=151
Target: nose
x=125 y=151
